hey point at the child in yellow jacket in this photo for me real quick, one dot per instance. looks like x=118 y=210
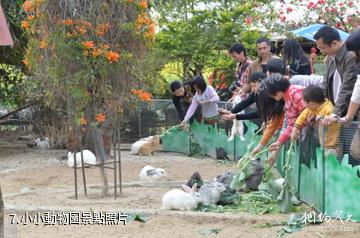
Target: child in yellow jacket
x=317 y=106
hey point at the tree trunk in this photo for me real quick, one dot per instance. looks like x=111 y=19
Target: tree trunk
x=1 y=215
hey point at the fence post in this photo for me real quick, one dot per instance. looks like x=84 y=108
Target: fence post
x=2 y=214
x=299 y=164
x=140 y=122
x=323 y=166
x=234 y=147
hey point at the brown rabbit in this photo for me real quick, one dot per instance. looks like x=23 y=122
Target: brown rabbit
x=150 y=147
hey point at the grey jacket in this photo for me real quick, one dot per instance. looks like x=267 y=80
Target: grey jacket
x=344 y=62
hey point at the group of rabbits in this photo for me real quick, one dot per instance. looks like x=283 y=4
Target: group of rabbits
x=189 y=198
x=209 y=193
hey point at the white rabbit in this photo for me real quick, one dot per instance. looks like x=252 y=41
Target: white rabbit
x=277 y=184
x=151 y=174
x=177 y=199
x=43 y=144
x=89 y=158
x=238 y=125
x=135 y=147
x=210 y=192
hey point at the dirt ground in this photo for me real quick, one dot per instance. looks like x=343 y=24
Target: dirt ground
x=38 y=181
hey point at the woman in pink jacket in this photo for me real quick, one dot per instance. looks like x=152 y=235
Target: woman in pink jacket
x=278 y=88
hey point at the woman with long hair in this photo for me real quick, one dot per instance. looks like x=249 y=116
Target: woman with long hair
x=294 y=57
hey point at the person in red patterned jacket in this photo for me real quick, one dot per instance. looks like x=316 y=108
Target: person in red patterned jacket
x=278 y=88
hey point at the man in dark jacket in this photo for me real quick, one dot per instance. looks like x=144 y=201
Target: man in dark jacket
x=339 y=79
x=182 y=96
x=341 y=73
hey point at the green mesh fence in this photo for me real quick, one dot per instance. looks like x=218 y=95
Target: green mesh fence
x=329 y=185
x=207 y=138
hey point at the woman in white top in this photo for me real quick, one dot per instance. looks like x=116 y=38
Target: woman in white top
x=207 y=98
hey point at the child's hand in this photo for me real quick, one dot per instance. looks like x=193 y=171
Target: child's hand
x=295 y=134
x=327 y=120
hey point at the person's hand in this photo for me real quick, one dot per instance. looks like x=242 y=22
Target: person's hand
x=295 y=134
x=311 y=119
x=318 y=118
x=345 y=119
x=229 y=116
x=272 y=158
x=223 y=111
x=183 y=125
x=327 y=120
x=275 y=146
x=257 y=149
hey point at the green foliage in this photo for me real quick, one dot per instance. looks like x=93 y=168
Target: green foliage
x=258 y=202
x=243 y=166
x=287 y=196
x=11 y=85
x=148 y=70
x=199 y=37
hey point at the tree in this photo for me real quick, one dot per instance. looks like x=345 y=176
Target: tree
x=82 y=56
x=198 y=32
x=342 y=14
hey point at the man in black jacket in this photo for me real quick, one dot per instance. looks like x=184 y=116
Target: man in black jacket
x=182 y=96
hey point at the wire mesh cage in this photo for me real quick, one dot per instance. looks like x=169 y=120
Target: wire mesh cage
x=350 y=141
x=158 y=115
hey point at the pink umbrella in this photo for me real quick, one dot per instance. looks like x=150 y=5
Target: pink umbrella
x=5 y=35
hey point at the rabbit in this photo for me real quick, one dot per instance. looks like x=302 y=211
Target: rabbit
x=89 y=158
x=136 y=145
x=254 y=179
x=225 y=178
x=277 y=184
x=210 y=192
x=195 y=178
x=151 y=174
x=221 y=154
x=150 y=147
x=43 y=143
x=183 y=200
x=238 y=125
